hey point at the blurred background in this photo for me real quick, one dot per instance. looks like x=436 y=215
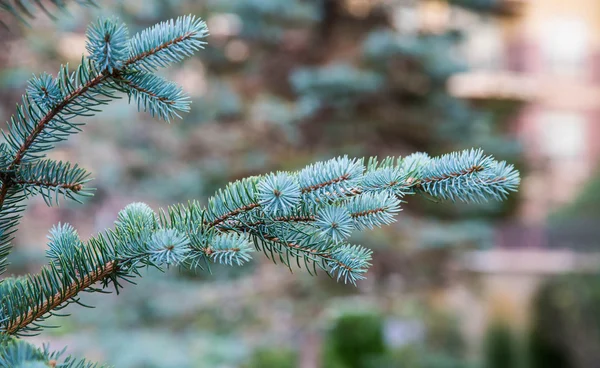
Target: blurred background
x=282 y=84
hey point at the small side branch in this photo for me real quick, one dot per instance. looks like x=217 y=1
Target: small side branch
x=235 y=212
x=75 y=187
x=61 y=297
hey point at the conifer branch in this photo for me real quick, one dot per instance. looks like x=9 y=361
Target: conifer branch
x=50 y=105
x=468 y=176
x=10 y=216
x=23 y=10
x=221 y=232
x=324 y=184
x=167 y=42
x=306 y=215
x=47 y=118
x=18 y=353
x=233 y=213
x=74 y=187
x=160 y=48
x=52 y=179
x=299 y=218
x=137 y=241
x=156 y=95
x=60 y=298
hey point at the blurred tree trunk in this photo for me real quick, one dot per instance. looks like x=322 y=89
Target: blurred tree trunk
x=310 y=348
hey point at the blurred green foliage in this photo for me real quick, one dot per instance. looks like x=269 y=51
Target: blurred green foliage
x=584 y=207
x=358 y=341
x=500 y=346
x=566 y=323
x=272 y=358
x=355 y=341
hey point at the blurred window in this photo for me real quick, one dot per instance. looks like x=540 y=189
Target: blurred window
x=563 y=134
x=406 y=17
x=484 y=44
x=564 y=45
x=433 y=16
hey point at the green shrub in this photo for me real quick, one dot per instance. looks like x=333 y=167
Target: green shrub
x=355 y=341
x=565 y=329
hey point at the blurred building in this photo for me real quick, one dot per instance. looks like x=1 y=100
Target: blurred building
x=546 y=55
x=542 y=57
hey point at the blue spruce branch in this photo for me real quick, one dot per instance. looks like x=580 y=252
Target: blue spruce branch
x=240 y=218
x=25 y=9
x=50 y=105
x=52 y=180
x=304 y=217
x=19 y=354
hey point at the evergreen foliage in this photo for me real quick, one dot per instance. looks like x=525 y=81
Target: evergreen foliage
x=19 y=354
x=304 y=217
x=26 y=9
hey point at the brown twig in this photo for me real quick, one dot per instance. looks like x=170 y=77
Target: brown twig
x=143 y=90
x=322 y=185
x=143 y=55
x=367 y=212
x=75 y=187
x=467 y=171
x=237 y=211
